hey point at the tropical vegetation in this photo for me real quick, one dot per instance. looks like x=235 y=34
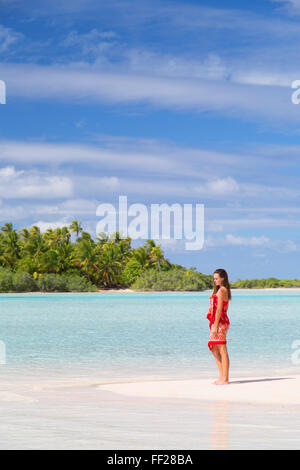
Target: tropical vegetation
x=265 y=283
x=68 y=259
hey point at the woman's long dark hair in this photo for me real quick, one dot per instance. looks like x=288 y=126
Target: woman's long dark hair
x=223 y=274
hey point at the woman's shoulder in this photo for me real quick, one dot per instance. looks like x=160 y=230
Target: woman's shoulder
x=224 y=292
x=223 y=289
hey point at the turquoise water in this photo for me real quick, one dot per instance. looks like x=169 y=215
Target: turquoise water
x=146 y=333
x=60 y=347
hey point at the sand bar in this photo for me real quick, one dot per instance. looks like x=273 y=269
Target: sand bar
x=283 y=390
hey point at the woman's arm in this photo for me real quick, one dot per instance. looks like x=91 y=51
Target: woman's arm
x=221 y=298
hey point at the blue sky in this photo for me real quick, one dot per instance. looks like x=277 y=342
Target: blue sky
x=164 y=102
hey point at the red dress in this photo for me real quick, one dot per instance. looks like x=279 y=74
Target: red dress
x=223 y=327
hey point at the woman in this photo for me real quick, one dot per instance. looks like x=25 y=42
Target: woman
x=219 y=324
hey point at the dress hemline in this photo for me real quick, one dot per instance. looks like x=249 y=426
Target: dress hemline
x=211 y=343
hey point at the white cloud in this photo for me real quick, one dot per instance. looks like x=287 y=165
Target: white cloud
x=246 y=221
x=77 y=207
x=9 y=172
x=74 y=38
x=94 y=43
x=292 y=6
x=122 y=153
x=247 y=241
x=81 y=123
x=8 y=38
x=32 y=184
x=162 y=187
x=57 y=224
x=47 y=153
x=262 y=241
x=157 y=156
x=222 y=186
x=230 y=239
x=85 y=84
x=146 y=62
x=263 y=77
x=109 y=182
x=214 y=227
x=157 y=168
x=68 y=209
x=44 y=187
x=9 y=212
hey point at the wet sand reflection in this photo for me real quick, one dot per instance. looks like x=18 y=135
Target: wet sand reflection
x=220 y=428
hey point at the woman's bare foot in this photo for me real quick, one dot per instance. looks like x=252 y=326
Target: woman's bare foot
x=222 y=382
x=217 y=382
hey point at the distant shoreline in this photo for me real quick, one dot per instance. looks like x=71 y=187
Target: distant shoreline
x=206 y=290
x=123 y=291
x=232 y=289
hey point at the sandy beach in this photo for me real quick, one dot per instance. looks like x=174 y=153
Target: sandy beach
x=233 y=290
x=149 y=413
x=282 y=390
x=118 y=291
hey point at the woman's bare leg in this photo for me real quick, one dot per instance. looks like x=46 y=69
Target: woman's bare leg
x=218 y=358
x=224 y=363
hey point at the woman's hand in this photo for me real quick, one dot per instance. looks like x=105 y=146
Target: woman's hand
x=214 y=329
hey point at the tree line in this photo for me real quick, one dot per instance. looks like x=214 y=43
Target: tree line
x=69 y=259
x=51 y=261
x=265 y=283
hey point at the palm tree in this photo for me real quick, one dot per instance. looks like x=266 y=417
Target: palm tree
x=32 y=247
x=110 y=265
x=65 y=257
x=141 y=256
x=76 y=227
x=49 y=262
x=157 y=256
x=86 y=236
x=124 y=247
x=87 y=256
x=102 y=238
x=62 y=235
x=116 y=237
x=7 y=228
x=10 y=247
x=49 y=237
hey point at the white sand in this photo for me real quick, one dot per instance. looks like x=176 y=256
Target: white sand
x=283 y=390
x=70 y=411
x=118 y=291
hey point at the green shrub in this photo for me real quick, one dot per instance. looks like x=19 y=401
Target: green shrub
x=23 y=282
x=64 y=283
x=75 y=283
x=52 y=283
x=27 y=265
x=6 y=280
x=173 y=280
x=132 y=271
